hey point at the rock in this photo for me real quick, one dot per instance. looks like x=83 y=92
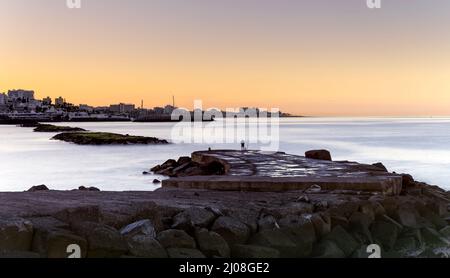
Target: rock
x=156 y=169
x=267 y=222
x=212 y=244
x=79 y=214
x=407 y=180
x=84 y=188
x=385 y=233
x=431 y=216
x=16 y=234
x=407 y=216
x=337 y=220
x=103 y=241
x=406 y=245
x=36 y=188
x=445 y=232
x=144 y=227
x=241 y=251
x=302 y=232
x=184 y=253
x=314 y=189
x=432 y=238
x=171 y=163
x=181 y=168
x=318 y=154
x=277 y=240
x=176 y=239
x=183 y=160
x=53 y=128
x=322 y=224
x=105 y=138
x=343 y=240
x=232 y=230
x=193 y=217
x=145 y=246
x=380 y=166
x=145 y=173
x=359 y=223
x=58 y=241
x=327 y=249
x=156 y=181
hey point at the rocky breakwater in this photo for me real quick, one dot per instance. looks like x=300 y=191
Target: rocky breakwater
x=104 y=138
x=324 y=220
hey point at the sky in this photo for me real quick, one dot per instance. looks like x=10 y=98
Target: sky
x=317 y=57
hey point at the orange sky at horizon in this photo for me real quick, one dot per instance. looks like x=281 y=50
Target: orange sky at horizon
x=381 y=68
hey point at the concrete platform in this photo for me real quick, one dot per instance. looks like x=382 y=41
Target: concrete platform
x=275 y=172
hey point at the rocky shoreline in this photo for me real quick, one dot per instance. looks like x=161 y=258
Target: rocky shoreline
x=176 y=222
x=104 y=138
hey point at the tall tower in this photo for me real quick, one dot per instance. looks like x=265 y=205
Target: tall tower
x=173 y=101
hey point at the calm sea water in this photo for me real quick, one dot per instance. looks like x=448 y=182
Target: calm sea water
x=420 y=146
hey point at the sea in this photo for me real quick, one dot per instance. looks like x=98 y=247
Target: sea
x=418 y=146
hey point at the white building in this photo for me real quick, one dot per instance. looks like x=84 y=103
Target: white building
x=3 y=98
x=20 y=95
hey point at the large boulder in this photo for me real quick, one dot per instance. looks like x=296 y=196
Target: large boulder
x=318 y=154
x=327 y=249
x=193 y=217
x=145 y=246
x=143 y=227
x=232 y=230
x=16 y=234
x=343 y=240
x=212 y=244
x=59 y=241
x=103 y=241
x=277 y=240
x=385 y=233
x=184 y=253
x=242 y=251
x=433 y=238
x=176 y=239
x=322 y=224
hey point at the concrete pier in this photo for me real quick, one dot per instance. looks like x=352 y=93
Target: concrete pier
x=276 y=172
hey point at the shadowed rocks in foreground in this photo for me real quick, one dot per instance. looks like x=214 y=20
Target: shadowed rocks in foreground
x=104 y=138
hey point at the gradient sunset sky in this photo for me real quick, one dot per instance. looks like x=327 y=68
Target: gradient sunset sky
x=317 y=57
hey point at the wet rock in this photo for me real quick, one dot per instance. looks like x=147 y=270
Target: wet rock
x=327 y=249
x=16 y=234
x=232 y=230
x=318 y=154
x=156 y=181
x=145 y=246
x=156 y=169
x=193 y=217
x=212 y=244
x=314 y=189
x=277 y=240
x=380 y=166
x=431 y=216
x=385 y=233
x=337 y=220
x=36 y=188
x=144 y=227
x=246 y=216
x=103 y=241
x=302 y=232
x=241 y=251
x=185 y=253
x=343 y=240
x=176 y=239
x=171 y=163
x=145 y=173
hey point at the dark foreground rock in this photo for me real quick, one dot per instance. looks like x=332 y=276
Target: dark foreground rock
x=54 y=128
x=104 y=138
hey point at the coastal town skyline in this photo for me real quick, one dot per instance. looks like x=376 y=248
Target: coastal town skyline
x=356 y=61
